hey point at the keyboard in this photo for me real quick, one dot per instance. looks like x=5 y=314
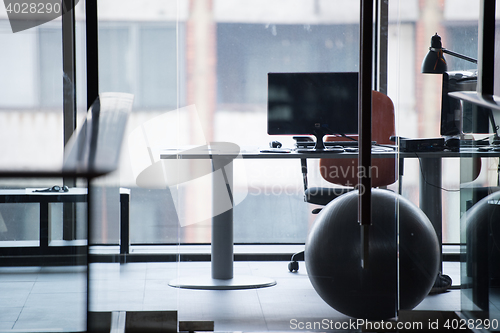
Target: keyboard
x=327 y=150
x=311 y=144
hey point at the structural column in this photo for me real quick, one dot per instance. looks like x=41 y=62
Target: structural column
x=430 y=197
x=201 y=92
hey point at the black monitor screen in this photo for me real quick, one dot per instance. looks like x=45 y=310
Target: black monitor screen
x=461 y=116
x=312 y=103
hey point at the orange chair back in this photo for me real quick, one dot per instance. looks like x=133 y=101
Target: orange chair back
x=383 y=171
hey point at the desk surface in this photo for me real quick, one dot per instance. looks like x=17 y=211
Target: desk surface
x=28 y=196
x=31 y=191
x=254 y=152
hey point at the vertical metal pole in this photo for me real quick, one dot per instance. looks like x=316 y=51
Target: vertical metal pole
x=375 y=41
x=92 y=94
x=365 y=124
x=485 y=85
x=382 y=35
x=486 y=48
x=69 y=105
x=69 y=69
x=92 y=51
x=89 y=233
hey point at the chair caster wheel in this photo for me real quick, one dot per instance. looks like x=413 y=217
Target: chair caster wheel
x=293 y=266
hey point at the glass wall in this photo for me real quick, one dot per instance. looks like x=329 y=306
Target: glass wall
x=218 y=62
x=198 y=71
x=43 y=273
x=141 y=51
x=228 y=89
x=479 y=198
x=147 y=53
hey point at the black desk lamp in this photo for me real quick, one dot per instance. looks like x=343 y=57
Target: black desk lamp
x=434 y=62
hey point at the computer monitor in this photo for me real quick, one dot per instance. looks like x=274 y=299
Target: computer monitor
x=312 y=104
x=458 y=117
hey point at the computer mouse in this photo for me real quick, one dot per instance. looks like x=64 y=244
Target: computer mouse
x=275 y=144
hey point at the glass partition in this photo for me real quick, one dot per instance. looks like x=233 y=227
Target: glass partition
x=230 y=48
x=128 y=281
x=159 y=61
x=479 y=233
x=43 y=274
x=167 y=224
x=479 y=250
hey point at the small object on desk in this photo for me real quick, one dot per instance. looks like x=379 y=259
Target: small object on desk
x=422 y=145
x=55 y=188
x=351 y=149
x=472 y=143
x=452 y=143
x=302 y=138
x=275 y=144
x=395 y=138
x=330 y=144
x=496 y=140
x=328 y=150
x=275 y=150
x=345 y=143
x=304 y=141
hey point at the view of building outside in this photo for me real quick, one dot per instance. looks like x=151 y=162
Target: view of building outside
x=215 y=55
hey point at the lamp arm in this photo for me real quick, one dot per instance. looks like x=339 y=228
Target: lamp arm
x=458 y=55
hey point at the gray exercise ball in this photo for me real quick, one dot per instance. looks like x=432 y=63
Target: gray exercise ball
x=482 y=248
x=333 y=256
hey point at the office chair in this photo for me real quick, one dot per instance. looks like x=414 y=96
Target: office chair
x=96 y=146
x=344 y=171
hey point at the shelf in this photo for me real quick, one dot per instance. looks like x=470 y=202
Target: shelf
x=486 y=101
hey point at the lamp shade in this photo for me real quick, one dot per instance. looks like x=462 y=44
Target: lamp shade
x=434 y=62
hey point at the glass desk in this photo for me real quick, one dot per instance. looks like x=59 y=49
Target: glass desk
x=222 y=155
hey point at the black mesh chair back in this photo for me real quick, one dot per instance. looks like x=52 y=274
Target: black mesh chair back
x=95 y=147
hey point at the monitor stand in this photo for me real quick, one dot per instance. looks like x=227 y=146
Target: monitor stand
x=320 y=144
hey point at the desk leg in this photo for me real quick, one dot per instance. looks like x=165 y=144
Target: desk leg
x=69 y=220
x=124 y=223
x=222 y=242
x=44 y=226
x=222 y=229
x=222 y=246
x=430 y=197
